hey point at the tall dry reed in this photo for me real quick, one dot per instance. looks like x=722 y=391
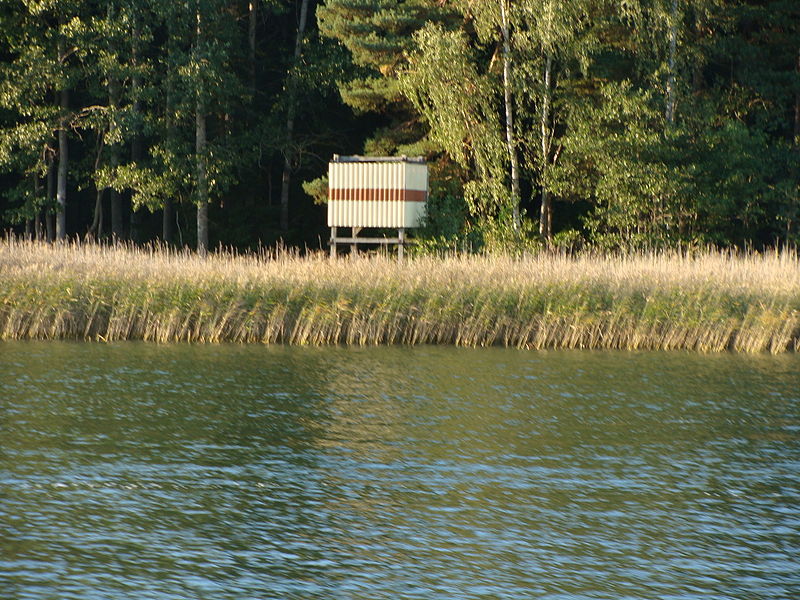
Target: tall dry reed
x=709 y=302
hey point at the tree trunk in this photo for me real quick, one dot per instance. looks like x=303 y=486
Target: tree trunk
x=63 y=150
x=96 y=228
x=117 y=223
x=51 y=196
x=137 y=144
x=509 y=106
x=673 y=50
x=792 y=218
x=137 y=152
x=115 y=200
x=288 y=152
x=251 y=40
x=37 y=219
x=168 y=215
x=63 y=158
x=797 y=107
x=202 y=180
x=546 y=211
x=200 y=156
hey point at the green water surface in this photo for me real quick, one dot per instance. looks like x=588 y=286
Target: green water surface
x=250 y=472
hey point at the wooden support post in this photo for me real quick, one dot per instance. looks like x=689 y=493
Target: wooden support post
x=401 y=240
x=354 y=241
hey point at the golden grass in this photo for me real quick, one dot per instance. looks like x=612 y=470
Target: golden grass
x=709 y=302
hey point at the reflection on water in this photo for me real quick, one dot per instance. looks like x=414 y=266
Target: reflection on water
x=138 y=471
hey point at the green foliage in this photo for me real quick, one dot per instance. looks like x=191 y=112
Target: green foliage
x=705 y=180
x=458 y=103
x=445 y=218
x=317 y=189
x=618 y=153
x=569 y=240
x=500 y=237
x=378 y=35
x=646 y=123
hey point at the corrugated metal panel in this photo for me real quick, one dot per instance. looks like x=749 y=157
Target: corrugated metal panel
x=376 y=192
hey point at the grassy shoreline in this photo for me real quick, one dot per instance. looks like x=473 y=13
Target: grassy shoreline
x=711 y=302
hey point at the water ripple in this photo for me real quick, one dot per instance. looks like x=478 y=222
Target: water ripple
x=241 y=472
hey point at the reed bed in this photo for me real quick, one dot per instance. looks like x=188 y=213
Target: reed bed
x=709 y=302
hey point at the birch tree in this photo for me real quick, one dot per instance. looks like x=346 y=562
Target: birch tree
x=556 y=41
x=509 y=112
x=461 y=107
x=538 y=45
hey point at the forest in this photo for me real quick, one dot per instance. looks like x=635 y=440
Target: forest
x=606 y=124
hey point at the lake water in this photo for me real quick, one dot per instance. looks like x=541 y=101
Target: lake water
x=248 y=472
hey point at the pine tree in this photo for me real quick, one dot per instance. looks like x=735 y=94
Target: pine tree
x=379 y=34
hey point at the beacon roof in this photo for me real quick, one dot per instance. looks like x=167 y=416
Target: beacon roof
x=377 y=159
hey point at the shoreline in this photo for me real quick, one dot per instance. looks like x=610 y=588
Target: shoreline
x=709 y=302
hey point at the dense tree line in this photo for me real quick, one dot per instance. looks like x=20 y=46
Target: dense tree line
x=616 y=123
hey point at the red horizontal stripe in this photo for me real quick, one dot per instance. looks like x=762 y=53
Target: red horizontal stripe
x=379 y=194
